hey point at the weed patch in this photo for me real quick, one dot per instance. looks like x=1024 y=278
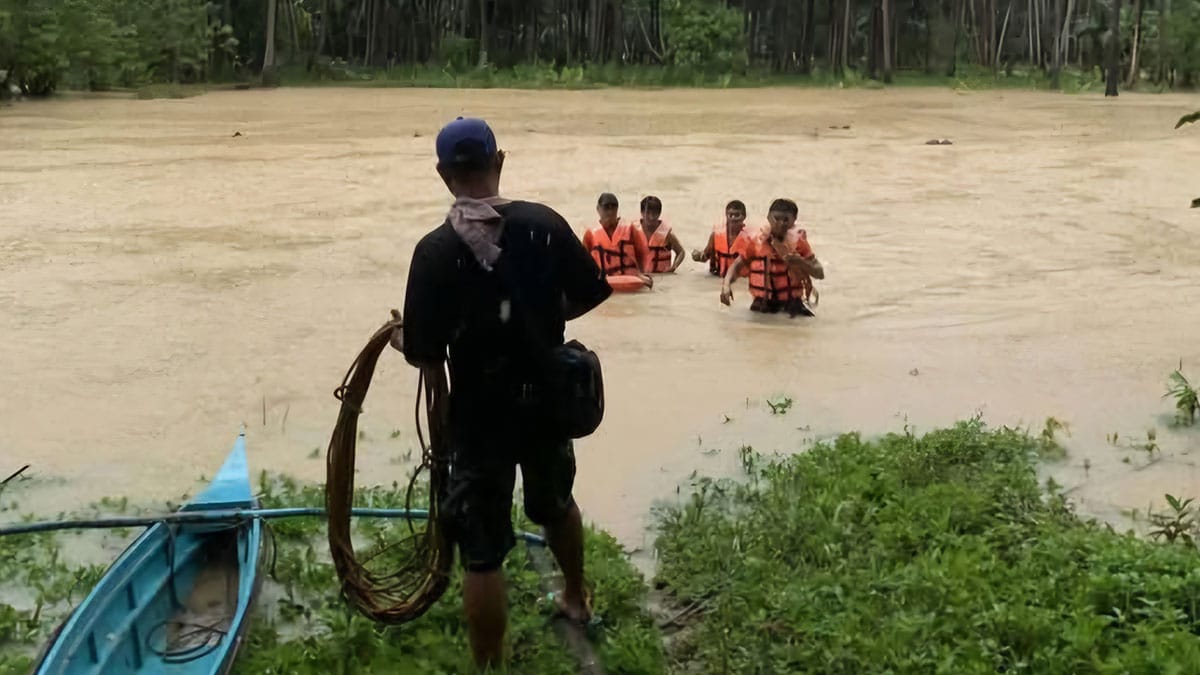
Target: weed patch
x=939 y=553
x=301 y=626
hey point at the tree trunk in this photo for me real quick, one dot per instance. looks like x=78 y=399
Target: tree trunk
x=268 y=64
x=372 y=31
x=1113 y=60
x=1039 y=10
x=1003 y=31
x=1056 y=68
x=1131 y=81
x=1164 y=22
x=809 y=46
x=846 y=34
x=324 y=28
x=959 y=17
x=1065 y=32
x=1030 y=20
x=833 y=39
x=887 y=42
x=873 y=43
x=976 y=36
x=291 y=12
x=484 y=29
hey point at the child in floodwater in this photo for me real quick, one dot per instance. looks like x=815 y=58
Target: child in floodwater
x=782 y=264
x=717 y=252
x=660 y=239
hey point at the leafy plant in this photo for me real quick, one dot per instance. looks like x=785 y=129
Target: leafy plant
x=1187 y=402
x=1178 y=525
x=938 y=553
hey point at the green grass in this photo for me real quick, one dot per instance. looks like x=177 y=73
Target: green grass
x=170 y=90
x=301 y=626
x=938 y=554
x=533 y=76
x=933 y=554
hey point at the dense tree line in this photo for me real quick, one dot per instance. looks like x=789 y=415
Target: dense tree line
x=111 y=43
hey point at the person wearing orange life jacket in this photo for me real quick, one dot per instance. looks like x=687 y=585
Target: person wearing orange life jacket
x=618 y=247
x=718 y=250
x=660 y=239
x=781 y=263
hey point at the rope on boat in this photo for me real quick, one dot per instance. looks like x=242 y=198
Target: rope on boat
x=399 y=581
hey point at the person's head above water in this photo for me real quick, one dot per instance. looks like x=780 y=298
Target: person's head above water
x=735 y=214
x=651 y=210
x=606 y=207
x=782 y=216
x=468 y=160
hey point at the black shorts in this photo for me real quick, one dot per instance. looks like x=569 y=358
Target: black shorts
x=478 y=506
x=794 y=307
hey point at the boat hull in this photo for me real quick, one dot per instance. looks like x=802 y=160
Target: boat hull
x=177 y=600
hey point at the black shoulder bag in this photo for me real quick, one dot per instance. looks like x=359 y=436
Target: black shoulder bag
x=570 y=376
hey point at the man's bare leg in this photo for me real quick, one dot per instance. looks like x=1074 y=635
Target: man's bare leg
x=566 y=542
x=486 y=607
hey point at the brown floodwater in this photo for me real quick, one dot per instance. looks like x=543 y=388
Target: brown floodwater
x=163 y=281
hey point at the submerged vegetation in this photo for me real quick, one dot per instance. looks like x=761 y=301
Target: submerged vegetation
x=1187 y=401
x=907 y=554
x=925 y=554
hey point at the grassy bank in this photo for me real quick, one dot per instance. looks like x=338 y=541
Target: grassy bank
x=615 y=75
x=644 y=77
x=301 y=626
x=332 y=639
x=920 y=555
x=939 y=553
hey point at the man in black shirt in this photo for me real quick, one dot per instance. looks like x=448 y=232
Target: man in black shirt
x=489 y=294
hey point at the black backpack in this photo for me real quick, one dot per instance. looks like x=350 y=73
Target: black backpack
x=575 y=388
x=571 y=378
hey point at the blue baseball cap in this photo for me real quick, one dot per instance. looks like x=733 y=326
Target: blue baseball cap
x=466 y=142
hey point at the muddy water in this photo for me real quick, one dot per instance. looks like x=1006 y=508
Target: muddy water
x=163 y=281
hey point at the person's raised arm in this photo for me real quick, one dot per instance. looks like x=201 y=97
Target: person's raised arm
x=680 y=254
x=804 y=260
x=735 y=270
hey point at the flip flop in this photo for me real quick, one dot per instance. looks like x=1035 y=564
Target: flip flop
x=589 y=625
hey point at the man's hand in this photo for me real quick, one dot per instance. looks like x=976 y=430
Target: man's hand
x=697 y=255
x=397 y=339
x=726 y=295
x=797 y=260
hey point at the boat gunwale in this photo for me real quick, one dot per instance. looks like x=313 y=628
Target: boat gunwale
x=55 y=653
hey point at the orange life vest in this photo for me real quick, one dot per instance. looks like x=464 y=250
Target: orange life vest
x=615 y=255
x=721 y=258
x=658 y=256
x=771 y=279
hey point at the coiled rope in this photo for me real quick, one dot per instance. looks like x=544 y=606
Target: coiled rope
x=398 y=581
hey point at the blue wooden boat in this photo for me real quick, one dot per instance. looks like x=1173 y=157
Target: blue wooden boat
x=177 y=599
